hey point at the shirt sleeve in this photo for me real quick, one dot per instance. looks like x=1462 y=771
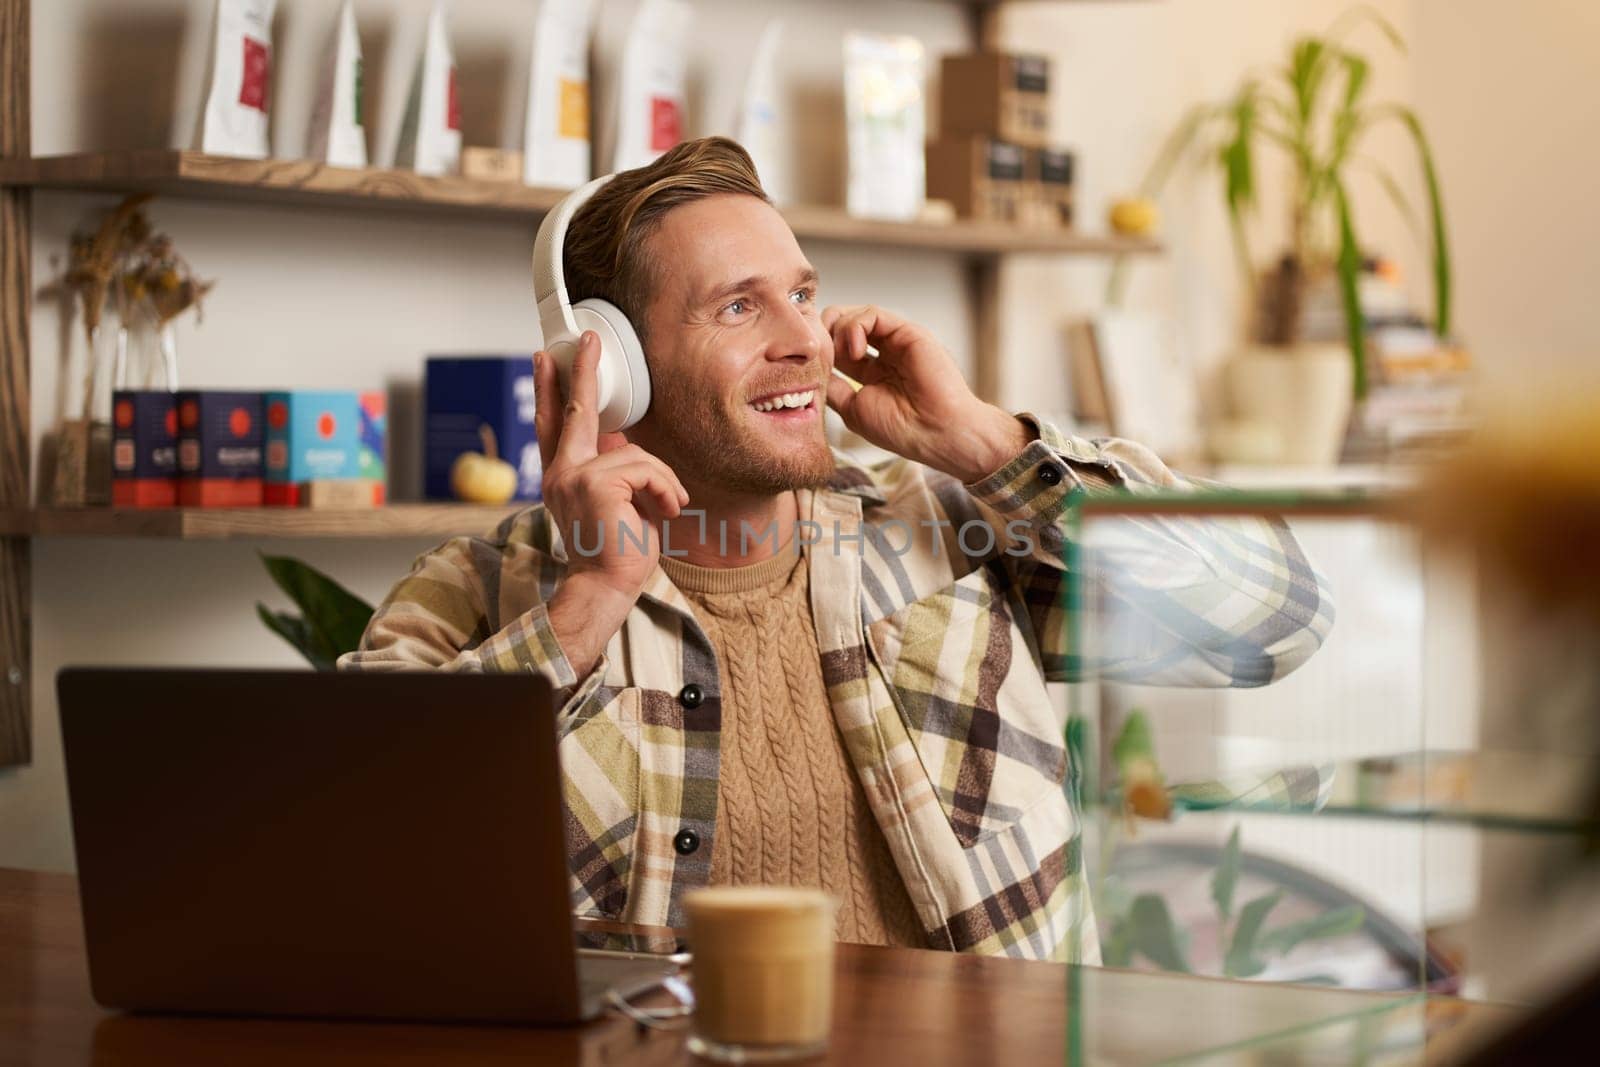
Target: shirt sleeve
x=436 y=618
x=1158 y=600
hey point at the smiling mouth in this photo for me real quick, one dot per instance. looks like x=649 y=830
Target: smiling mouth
x=779 y=403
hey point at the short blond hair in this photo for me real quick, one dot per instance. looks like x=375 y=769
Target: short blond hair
x=606 y=253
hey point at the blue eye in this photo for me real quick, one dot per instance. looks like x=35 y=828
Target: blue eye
x=803 y=294
x=733 y=305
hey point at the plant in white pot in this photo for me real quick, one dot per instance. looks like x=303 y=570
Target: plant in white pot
x=1317 y=111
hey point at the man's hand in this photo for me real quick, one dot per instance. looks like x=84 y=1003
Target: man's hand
x=912 y=399
x=595 y=487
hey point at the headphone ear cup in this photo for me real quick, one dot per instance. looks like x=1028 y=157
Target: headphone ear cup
x=624 y=377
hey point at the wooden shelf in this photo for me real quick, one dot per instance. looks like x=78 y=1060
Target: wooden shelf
x=395 y=520
x=174 y=172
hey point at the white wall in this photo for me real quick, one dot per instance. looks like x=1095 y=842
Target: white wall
x=1507 y=93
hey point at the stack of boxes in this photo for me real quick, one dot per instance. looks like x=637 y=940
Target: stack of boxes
x=993 y=160
x=227 y=449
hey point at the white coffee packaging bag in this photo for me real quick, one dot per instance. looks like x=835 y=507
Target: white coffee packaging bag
x=555 y=147
x=884 y=126
x=239 y=85
x=338 y=134
x=762 y=125
x=430 y=136
x=647 y=116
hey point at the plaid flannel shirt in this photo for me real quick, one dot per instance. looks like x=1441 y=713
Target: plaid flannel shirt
x=936 y=660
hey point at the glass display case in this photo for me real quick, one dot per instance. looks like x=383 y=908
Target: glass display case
x=1295 y=757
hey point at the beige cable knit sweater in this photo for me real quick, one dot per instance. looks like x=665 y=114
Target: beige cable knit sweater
x=790 y=809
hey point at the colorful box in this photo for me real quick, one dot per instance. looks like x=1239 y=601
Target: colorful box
x=219 y=449
x=464 y=393
x=324 y=435
x=144 y=449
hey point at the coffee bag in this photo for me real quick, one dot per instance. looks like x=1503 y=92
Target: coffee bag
x=338 y=135
x=234 y=122
x=430 y=136
x=556 y=143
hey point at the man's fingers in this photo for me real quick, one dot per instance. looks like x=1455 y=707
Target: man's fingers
x=580 y=429
x=658 y=488
x=841 y=394
x=546 y=406
x=630 y=455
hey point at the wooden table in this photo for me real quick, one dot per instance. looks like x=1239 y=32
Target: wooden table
x=894 y=1006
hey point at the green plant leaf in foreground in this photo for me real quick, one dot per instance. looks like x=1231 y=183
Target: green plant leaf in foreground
x=1335 y=922
x=294 y=630
x=1242 y=961
x=335 y=618
x=1154 y=934
x=1226 y=876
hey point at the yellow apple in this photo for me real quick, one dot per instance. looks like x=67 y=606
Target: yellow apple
x=482 y=477
x=1135 y=216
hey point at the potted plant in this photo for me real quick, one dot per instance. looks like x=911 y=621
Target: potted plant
x=1315 y=109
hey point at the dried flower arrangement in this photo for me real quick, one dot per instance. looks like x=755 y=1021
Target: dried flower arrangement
x=150 y=281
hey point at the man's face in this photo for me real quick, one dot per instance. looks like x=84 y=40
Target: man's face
x=733 y=327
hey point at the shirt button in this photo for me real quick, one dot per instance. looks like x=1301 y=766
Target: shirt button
x=1049 y=474
x=686 y=842
x=691 y=696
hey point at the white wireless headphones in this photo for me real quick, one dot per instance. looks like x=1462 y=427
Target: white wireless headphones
x=624 y=381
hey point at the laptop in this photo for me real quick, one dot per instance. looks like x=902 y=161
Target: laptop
x=374 y=846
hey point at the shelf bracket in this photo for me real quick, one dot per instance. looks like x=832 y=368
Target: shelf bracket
x=16 y=306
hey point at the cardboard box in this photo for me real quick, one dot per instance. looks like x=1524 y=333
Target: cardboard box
x=219 y=449
x=343 y=494
x=1050 y=182
x=463 y=393
x=323 y=435
x=995 y=94
x=144 y=449
x=491 y=164
x=982 y=177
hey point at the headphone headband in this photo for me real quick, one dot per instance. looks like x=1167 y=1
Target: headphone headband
x=549 y=268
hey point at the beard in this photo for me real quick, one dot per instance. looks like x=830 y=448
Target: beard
x=696 y=435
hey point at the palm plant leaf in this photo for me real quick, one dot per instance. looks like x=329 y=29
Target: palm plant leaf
x=1442 y=280
x=1239 y=172
x=1349 y=270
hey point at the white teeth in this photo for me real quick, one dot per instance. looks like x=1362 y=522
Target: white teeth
x=787 y=400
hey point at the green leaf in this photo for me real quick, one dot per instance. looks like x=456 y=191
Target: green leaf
x=293 y=629
x=1241 y=961
x=1441 y=239
x=1305 y=74
x=1133 y=740
x=1349 y=268
x=1226 y=876
x=1117 y=950
x=1238 y=163
x=1335 y=922
x=1154 y=934
x=335 y=617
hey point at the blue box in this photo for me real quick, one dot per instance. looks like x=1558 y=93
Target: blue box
x=327 y=435
x=464 y=393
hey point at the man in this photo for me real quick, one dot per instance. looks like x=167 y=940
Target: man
x=775 y=666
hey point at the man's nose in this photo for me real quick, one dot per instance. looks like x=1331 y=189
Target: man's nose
x=794 y=336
